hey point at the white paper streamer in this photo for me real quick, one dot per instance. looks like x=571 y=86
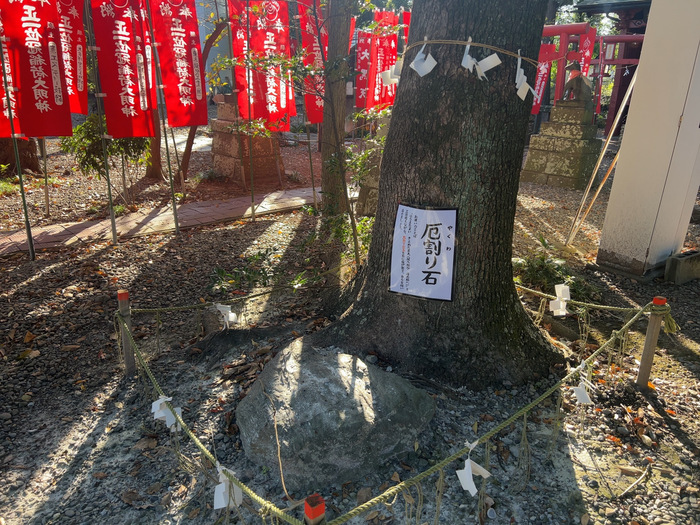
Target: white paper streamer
x=159 y=408
x=558 y=305
x=521 y=84
x=223 y=497
x=229 y=316
x=466 y=475
x=423 y=64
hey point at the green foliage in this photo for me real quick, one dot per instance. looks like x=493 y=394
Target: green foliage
x=8 y=187
x=338 y=229
x=256 y=271
x=86 y=145
x=542 y=271
x=119 y=210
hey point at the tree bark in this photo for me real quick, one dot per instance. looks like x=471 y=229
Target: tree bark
x=333 y=129
x=28 y=156
x=154 y=171
x=456 y=141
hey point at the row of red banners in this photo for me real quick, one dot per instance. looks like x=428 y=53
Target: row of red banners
x=48 y=36
x=44 y=56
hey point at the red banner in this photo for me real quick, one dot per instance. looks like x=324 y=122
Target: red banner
x=585 y=47
x=180 y=55
x=543 y=69
x=70 y=28
x=406 y=20
x=123 y=63
x=384 y=54
x=314 y=85
x=5 y=127
x=363 y=53
x=267 y=33
x=353 y=24
x=34 y=48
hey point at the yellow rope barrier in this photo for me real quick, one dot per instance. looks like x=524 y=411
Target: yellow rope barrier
x=268 y=508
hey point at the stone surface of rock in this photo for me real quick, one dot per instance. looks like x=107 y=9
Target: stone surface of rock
x=337 y=417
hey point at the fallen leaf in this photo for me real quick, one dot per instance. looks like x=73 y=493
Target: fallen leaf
x=194 y=513
x=66 y=348
x=130 y=496
x=395 y=477
x=630 y=471
x=585 y=519
x=145 y=443
x=29 y=337
x=99 y=475
x=155 y=487
x=372 y=515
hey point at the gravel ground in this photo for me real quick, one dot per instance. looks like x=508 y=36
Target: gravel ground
x=78 y=443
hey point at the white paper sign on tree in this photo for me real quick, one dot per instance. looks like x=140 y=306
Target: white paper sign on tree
x=422 y=258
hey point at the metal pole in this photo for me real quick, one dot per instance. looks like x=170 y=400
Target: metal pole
x=618 y=116
x=27 y=226
x=100 y=113
x=652 y=338
x=311 y=165
x=42 y=146
x=127 y=348
x=161 y=112
x=249 y=76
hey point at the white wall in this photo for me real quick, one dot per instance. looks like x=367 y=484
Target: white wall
x=658 y=173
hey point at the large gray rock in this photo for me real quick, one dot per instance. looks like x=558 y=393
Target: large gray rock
x=338 y=418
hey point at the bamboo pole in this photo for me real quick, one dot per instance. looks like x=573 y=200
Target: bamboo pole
x=574 y=230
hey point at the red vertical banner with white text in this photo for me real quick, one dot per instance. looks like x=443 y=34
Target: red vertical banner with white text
x=313 y=36
x=122 y=61
x=264 y=31
x=180 y=55
x=406 y=21
x=363 y=53
x=586 y=45
x=6 y=128
x=383 y=56
x=543 y=68
x=34 y=47
x=71 y=29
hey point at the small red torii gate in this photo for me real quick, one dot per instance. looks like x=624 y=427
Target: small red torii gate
x=572 y=34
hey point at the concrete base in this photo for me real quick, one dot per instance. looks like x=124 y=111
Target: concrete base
x=646 y=278
x=683 y=267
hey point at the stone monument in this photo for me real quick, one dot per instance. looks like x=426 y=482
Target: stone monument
x=565 y=151
x=231 y=149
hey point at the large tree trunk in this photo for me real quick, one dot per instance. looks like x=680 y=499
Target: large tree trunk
x=28 y=156
x=333 y=129
x=154 y=171
x=456 y=141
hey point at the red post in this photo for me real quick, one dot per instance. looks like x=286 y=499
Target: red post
x=127 y=349
x=652 y=338
x=314 y=510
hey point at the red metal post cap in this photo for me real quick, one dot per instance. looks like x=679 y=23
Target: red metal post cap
x=122 y=295
x=659 y=301
x=314 y=506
